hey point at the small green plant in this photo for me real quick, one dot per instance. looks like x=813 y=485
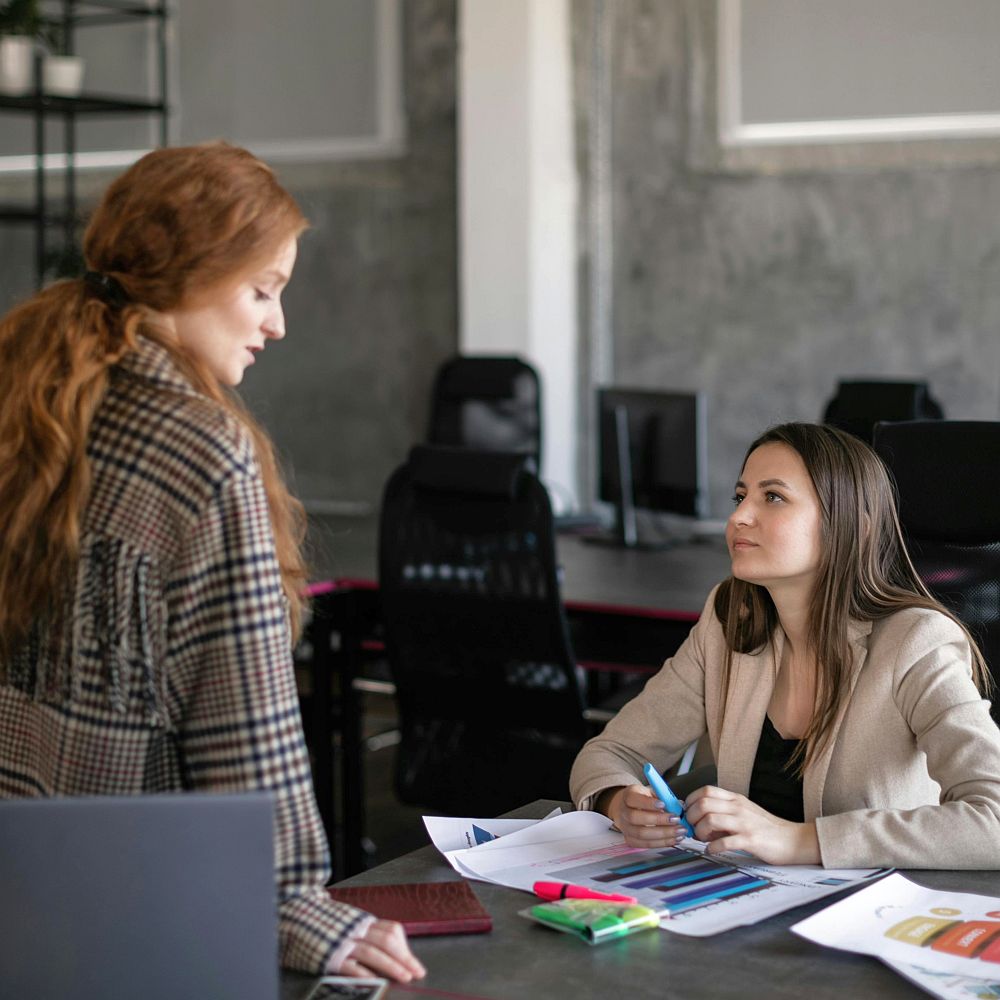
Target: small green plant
x=20 y=17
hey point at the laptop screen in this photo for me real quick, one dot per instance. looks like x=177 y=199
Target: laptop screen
x=163 y=896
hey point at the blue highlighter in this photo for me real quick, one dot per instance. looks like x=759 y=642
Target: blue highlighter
x=667 y=797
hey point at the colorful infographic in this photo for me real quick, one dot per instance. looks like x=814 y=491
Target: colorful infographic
x=947 y=942
x=964 y=938
x=672 y=879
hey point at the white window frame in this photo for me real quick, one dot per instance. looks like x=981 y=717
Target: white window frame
x=388 y=140
x=735 y=133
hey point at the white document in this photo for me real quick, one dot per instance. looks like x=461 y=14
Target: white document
x=450 y=833
x=704 y=895
x=945 y=935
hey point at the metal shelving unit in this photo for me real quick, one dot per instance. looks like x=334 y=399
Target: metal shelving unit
x=44 y=213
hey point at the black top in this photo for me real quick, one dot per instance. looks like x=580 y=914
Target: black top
x=773 y=786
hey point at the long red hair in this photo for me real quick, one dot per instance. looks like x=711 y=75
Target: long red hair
x=178 y=224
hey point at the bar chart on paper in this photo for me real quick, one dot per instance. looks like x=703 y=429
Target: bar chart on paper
x=672 y=879
x=697 y=893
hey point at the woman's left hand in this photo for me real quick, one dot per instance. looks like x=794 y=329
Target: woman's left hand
x=728 y=821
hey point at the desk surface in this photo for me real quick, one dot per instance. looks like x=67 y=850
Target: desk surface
x=678 y=579
x=519 y=959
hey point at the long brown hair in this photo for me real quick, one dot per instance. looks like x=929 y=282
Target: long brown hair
x=865 y=571
x=178 y=224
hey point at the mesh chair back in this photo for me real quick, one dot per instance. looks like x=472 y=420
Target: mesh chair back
x=475 y=632
x=859 y=405
x=488 y=403
x=948 y=476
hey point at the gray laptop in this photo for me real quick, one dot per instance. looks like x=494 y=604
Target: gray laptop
x=163 y=897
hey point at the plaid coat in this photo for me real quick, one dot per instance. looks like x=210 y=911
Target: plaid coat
x=168 y=664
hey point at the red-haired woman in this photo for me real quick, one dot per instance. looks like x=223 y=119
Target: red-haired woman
x=150 y=572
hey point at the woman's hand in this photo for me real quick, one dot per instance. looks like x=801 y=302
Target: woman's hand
x=641 y=817
x=731 y=822
x=383 y=952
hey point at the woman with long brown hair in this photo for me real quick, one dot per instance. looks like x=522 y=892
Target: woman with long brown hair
x=844 y=705
x=150 y=568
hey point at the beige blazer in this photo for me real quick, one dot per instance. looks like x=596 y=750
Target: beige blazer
x=911 y=777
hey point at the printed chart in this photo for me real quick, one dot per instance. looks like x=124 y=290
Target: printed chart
x=671 y=879
x=947 y=942
x=699 y=895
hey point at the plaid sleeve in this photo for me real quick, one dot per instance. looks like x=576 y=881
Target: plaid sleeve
x=232 y=689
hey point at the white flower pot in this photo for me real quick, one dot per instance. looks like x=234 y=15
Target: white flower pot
x=62 y=76
x=17 y=64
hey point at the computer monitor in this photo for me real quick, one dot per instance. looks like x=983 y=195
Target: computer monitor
x=652 y=454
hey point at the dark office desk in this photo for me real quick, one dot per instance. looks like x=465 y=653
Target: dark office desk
x=676 y=579
x=625 y=606
x=627 y=611
x=518 y=959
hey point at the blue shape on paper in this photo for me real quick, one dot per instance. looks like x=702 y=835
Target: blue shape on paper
x=482 y=836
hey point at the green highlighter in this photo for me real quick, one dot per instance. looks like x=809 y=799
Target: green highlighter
x=593 y=920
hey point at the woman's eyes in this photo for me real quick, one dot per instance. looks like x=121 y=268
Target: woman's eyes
x=262 y=296
x=769 y=496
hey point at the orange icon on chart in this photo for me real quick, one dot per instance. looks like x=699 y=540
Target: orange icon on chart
x=962 y=938
x=969 y=939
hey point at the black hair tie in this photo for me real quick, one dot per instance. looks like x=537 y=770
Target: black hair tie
x=107 y=288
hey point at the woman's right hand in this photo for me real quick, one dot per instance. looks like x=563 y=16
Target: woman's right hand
x=384 y=953
x=642 y=817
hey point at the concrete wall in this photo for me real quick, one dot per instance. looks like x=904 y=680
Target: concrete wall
x=763 y=289
x=372 y=307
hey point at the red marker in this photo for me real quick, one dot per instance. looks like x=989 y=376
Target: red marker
x=565 y=890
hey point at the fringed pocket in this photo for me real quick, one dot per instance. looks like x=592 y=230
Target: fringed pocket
x=115 y=640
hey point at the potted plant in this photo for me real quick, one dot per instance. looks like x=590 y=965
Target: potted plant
x=20 y=24
x=62 y=72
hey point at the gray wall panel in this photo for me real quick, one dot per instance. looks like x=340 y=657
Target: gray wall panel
x=762 y=290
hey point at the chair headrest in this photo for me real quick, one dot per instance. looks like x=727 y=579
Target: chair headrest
x=948 y=476
x=465 y=470
x=480 y=377
x=883 y=400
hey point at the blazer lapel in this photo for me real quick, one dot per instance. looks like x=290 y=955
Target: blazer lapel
x=750 y=686
x=814 y=779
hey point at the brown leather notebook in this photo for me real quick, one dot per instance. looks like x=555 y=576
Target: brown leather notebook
x=421 y=907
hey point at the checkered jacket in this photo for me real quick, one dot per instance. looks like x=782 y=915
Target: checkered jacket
x=167 y=665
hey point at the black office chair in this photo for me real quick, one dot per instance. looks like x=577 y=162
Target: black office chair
x=488 y=403
x=858 y=405
x=491 y=706
x=948 y=477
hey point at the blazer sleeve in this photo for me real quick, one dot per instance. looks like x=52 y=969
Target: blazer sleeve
x=232 y=690
x=656 y=726
x=934 y=692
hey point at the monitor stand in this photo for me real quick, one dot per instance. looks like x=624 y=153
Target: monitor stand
x=621 y=538
x=625 y=533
